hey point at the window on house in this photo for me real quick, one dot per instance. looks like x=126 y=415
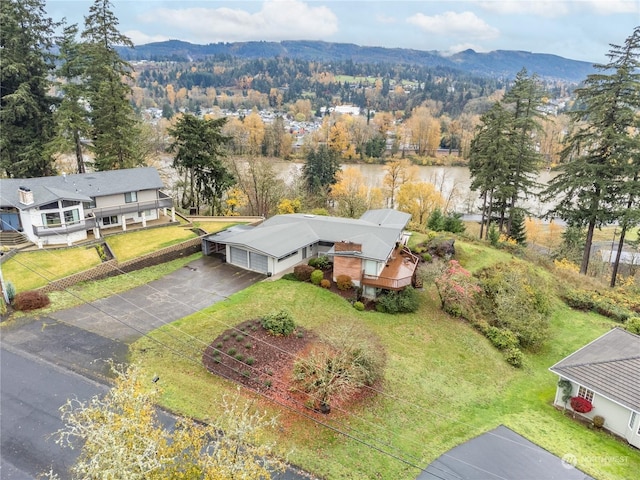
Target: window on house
x=69 y=203
x=110 y=220
x=51 y=219
x=71 y=216
x=91 y=204
x=632 y=420
x=50 y=206
x=131 y=197
x=289 y=255
x=585 y=393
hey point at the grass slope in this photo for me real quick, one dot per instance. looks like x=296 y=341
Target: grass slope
x=444 y=383
x=126 y=246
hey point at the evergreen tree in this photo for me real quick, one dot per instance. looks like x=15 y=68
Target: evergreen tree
x=72 y=115
x=115 y=130
x=198 y=145
x=602 y=148
x=26 y=119
x=523 y=102
x=453 y=223
x=518 y=231
x=436 y=220
x=320 y=171
x=490 y=151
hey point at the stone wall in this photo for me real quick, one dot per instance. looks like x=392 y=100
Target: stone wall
x=111 y=268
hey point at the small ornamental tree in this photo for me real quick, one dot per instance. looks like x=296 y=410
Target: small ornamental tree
x=457 y=289
x=581 y=405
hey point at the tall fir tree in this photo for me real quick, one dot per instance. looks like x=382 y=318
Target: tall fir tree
x=320 y=172
x=198 y=145
x=523 y=101
x=71 y=115
x=115 y=130
x=490 y=152
x=26 y=118
x=602 y=148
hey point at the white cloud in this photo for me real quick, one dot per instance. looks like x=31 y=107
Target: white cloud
x=386 y=19
x=140 y=38
x=559 y=8
x=277 y=20
x=461 y=47
x=540 y=8
x=465 y=24
x=610 y=7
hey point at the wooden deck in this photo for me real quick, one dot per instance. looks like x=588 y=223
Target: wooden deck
x=397 y=274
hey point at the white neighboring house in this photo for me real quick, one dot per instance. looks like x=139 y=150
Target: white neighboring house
x=607 y=373
x=371 y=250
x=61 y=210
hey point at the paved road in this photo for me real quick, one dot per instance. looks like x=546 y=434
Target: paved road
x=31 y=391
x=44 y=361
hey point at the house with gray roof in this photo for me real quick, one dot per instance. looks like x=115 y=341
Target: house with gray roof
x=606 y=372
x=371 y=250
x=62 y=209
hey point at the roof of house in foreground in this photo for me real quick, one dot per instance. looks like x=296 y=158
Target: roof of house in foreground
x=610 y=365
x=501 y=453
x=80 y=186
x=377 y=231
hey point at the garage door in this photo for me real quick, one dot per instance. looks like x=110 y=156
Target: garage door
x=258 y=262
x=239 y=257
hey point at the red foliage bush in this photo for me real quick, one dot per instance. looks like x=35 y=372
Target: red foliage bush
x=581 y=405
x=343 y=282
x=303 y=272
x=31 y=300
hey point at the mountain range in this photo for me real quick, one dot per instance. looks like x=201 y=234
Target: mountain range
x=497 y=64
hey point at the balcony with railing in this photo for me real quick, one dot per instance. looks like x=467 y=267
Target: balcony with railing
x=397 y=273
x=63 y=229
x=164 y=201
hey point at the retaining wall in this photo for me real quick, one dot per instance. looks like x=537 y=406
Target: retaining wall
x=112 y=267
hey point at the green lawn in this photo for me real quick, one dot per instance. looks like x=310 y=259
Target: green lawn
x=129 y=245
x=213 y=226
x=30 y=270
x=444 y=383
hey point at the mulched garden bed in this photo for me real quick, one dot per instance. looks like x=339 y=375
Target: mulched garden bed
x=250 y=356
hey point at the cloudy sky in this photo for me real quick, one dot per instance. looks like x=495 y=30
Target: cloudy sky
x=576 y=29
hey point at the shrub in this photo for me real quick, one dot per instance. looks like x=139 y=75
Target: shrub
x=502 y=338
x=268 y=383
x=404 y=301
x=303 y=272
x=344 y=282
x=278 y=323
x=321 y=262
x=514 y=357
x=10 y=290
x=457 y=289
x=358 y=306
x=581 y=405
x=239 y=357
x=598 y=421
x=290 y=276
x=515 y=297
x=231 y=352
x=316 y=277
x=30 y=300
x=632 y=325
x=248 y=346
x=250 y=361
x=426 y=257
x=324 y=283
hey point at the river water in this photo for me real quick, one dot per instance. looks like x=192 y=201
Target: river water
x=452 y=182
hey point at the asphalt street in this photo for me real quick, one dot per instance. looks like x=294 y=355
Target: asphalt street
x=47 y=360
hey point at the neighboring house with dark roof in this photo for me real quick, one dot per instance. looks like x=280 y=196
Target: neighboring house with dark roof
x=62 y=209
x=371 y=249
x=607 y=373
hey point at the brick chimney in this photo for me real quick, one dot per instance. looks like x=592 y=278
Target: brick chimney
x=25 y=195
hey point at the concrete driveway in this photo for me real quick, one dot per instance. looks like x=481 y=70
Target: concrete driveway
x=127 y=316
